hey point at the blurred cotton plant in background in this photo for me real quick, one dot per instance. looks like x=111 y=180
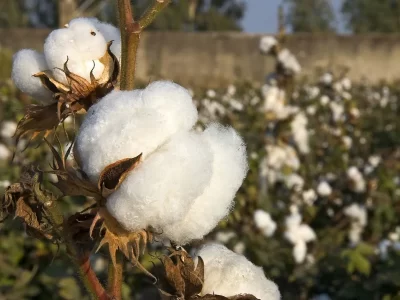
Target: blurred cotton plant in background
x=143 y=172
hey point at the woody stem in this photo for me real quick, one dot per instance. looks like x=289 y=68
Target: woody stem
x=115 y=277
x=130 y=37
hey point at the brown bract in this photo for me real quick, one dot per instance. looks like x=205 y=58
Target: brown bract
x=77 y=96
x=130 y=244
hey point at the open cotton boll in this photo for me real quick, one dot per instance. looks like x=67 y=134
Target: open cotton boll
x=229 y=169
x=289 y=61
x=264 y=222
x=299 y=252
x=267 y=43
x=27 y=62
x=126 y=123
x=229 y=274
x=162 y=188
x=82 y=44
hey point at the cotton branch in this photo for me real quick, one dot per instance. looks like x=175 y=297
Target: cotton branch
x=130 y=37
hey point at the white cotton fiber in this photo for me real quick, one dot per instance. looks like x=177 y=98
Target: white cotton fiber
x=126 y=123
x=82 y=43
x=26 y=63
x=229 y=169
x=267 y=43
x=108 y=31
x=162 y=188
x=229 y=274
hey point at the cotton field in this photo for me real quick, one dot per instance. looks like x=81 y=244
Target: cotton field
x=318 y=210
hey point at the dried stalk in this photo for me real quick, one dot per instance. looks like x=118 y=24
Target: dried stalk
x=130 y=37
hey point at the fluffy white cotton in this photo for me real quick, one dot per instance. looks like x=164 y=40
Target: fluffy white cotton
x=298 y=234
x=294 y=181
x=347 y=141
x=358 y=183
x=324 y=189
x=267 y=43
x=8 y=129
x=300 y=132
x=4 y=152
x=289 y=61
x=327 y=78
x=358 y=213
x=162 y=188
x=224 y=237
x=229 y=169
x=309 y=196
x=82 y=43
x=229 y=274
x=280 y=156
x=264 y=222
x=126 y=123
x=300 y=252
x=27 y=62
x=108 y=31
x=337 y=111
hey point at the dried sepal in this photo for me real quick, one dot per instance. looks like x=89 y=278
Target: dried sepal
x=183 y=278
x=113 y=175
x=38 y=119
x=71 y=181
x=130 y=244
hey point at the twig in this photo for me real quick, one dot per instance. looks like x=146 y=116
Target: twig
x=130 y=37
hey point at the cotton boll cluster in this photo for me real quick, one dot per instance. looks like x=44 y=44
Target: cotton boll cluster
x=186 y=180
x=309 y=196
x=264 y=222
x=337 y=111
x=229 y=274
x=359 y=219
x=83 y=43
x=267 y=43
x=298 y=234
x=357 y=181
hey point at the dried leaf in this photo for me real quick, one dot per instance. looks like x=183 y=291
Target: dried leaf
x=27 y=202
x=113 y=175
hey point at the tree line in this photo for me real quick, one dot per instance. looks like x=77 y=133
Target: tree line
x=359 y=16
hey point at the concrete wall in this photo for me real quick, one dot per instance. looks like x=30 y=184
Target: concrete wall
x=215 y=59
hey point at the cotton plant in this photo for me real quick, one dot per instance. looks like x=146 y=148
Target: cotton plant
x=79 y=65
x=147 y=171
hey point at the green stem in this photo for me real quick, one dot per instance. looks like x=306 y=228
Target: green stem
x=115 y=277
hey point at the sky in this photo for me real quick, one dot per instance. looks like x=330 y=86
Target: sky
x=261 y=16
